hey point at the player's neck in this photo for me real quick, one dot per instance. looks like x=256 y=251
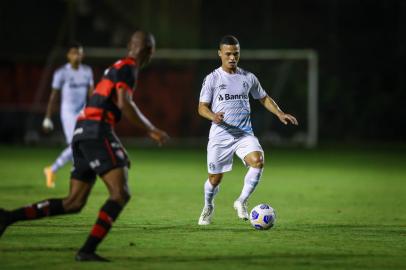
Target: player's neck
x=229 y=70
x=74 y=65
x=131 y=55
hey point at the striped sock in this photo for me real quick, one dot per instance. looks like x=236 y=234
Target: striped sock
x=251 y=180
x=51 y=207
x=107 y=215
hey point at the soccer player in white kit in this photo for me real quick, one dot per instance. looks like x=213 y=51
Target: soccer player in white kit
x=73 y=82
x=224 y=100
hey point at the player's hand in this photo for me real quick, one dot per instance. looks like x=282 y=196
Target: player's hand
x=158 y=135
x=218 y=117
x=47 y=125
x=287 y=118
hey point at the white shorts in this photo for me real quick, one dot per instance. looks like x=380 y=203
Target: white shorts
x=220 y=153
x=68 y=120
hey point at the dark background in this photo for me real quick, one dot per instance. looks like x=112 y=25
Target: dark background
x=361 y=47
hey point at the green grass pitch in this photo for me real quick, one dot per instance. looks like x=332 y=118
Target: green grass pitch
x=337 y=208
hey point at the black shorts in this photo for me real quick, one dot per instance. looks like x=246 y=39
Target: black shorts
x=96 y=157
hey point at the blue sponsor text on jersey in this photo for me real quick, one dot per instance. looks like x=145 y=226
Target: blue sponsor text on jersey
x=232 y=97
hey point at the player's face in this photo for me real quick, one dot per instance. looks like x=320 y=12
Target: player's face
x=142 y=50
x=230 y=55
x=75 y=55
x=145 y=55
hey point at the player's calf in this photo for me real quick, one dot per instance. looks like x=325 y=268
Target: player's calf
x=46 y=208
x=210 y=192
x=107 y=215
x=73 y=206
x=251 y=180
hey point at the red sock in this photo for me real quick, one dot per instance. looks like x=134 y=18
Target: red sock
x=107 y=215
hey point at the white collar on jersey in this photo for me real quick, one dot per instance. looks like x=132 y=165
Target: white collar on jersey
x=69 y=66
x=229 y=74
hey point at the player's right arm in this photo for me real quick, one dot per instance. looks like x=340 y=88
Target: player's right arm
x=91 y=83
x=205 y=111
x=57 y=83
x=136 y=117
x=206 y=97
x=47 y=124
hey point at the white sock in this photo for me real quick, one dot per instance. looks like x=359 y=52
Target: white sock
x=251 y=180
x=63 y=158
x=209 y=192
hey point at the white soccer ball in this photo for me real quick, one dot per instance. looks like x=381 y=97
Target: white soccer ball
x=262 y=217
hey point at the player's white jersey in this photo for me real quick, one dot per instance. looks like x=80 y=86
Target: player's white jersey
x=229 y=93
x=74 y=84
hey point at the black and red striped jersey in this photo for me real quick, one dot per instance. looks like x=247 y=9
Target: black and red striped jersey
x=101 y=112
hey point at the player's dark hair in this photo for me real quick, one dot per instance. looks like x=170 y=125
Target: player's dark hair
x=74 y=45
x=228 y=40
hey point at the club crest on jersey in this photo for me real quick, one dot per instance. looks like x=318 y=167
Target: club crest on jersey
x=245 y=85
x=212 y=166
x=222 y=86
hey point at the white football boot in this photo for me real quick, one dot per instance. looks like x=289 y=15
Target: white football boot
x=242 y=210
x=205 y=216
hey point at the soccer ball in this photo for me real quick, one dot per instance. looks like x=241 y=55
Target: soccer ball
x=262 y=217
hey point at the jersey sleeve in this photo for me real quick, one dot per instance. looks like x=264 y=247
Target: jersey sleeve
x=206 y=94
x=256 y=90
x=58 y=79
x=124 y=77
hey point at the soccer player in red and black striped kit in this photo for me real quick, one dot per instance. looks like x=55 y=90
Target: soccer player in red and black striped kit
x=97 y=150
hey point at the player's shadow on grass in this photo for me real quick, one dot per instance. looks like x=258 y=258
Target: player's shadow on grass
x=345 y=227
x=19 y=187
x=191 y=228
x=150 y=227
x=248 y=259
x=242 y=228
x=38 y=249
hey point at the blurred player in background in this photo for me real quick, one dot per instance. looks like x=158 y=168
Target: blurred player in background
x=73 y=82
x=224 y=100
x=98 y=151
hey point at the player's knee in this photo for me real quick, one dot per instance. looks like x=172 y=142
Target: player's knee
x=121 y=197
x=77 y=207
x=126 y=197
x=73 y=205
x=257 y=162
x=215 y=179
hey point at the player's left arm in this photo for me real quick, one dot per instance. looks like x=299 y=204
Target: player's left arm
x=271 y=106
x=131 y=111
